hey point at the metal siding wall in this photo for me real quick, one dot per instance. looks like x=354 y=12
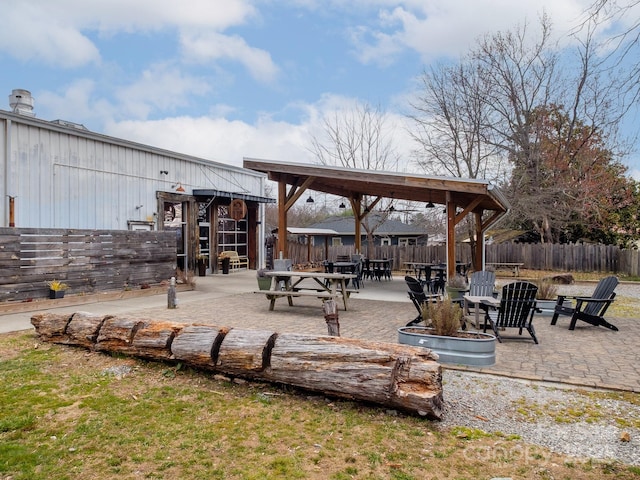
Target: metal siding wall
x=62 y=180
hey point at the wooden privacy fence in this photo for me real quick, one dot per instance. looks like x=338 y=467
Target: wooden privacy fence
x=535 y=256
x=87 y=261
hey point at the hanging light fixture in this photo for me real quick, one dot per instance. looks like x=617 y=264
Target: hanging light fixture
x=429 y=203
x=310 y=199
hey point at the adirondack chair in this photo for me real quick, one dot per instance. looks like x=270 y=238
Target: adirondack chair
x=418 y=297
x=516 y=309
x=481 y=284
x=589 y=309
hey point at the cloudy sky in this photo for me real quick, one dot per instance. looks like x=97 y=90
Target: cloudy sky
x=227 y=79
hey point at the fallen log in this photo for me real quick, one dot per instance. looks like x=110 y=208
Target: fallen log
x=399 y=376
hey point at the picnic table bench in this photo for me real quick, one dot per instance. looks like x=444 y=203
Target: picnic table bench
x=325 y=286
x=513 y=266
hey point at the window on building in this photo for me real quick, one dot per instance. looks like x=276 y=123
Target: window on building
x=405 y=241
x=385 y=241
x=336 y=241
x=232 y=234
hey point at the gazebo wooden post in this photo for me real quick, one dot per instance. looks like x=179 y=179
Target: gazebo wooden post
x=282 y=220
x=451 y=237
x=479 y=253
x=356 y=204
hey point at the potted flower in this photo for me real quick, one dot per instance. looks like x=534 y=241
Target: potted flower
x=202 y=264
x=264 y=282
x=456 y=287
x=225 y=262
x=56 y=288
x=442 y=333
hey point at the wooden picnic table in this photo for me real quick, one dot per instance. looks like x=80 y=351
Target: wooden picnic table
x=290 y=284
x=513 y=266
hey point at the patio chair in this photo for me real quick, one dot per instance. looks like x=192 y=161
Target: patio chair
x=481 y=284
x=387 y=269
x=366 y=271
x=589 y=309
x=418 y=297
x=428 y=282
x=516 y=309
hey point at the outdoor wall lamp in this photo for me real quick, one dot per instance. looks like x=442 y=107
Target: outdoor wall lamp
x=178 y=186
x=310 y=199
x=342 y=205
x=164 y=172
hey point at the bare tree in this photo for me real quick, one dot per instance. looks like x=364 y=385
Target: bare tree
x=622 y=46
x=450 y=117
x=528 y=82
x=497 y=104
x=359 y=138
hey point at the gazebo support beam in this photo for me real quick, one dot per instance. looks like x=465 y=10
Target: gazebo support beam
x=451 y=237
x=282 y=219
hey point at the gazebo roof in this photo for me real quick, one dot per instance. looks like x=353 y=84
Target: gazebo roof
x=480 y=194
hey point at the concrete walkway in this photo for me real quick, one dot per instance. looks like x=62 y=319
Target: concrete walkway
x=588 y=356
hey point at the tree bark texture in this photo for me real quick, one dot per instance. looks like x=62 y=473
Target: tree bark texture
x=399 y=376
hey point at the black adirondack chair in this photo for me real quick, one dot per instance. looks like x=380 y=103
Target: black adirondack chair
x=589 y=309
x=517 y=306
x=418 y=296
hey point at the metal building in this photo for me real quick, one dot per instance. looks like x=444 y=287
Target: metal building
x=58 y=174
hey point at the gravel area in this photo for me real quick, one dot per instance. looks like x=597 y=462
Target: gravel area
x=545 y=415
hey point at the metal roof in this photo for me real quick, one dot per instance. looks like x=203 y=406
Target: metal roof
x=207 y=192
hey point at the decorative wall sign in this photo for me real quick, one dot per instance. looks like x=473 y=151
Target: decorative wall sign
x=237 y=209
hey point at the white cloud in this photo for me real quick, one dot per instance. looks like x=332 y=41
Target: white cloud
x=77 y=104
x=434 y=28
x=57 y=31
x=30 y=33
x=162 y=87
x=219 y=139
x=229 y=141
x=205 y=46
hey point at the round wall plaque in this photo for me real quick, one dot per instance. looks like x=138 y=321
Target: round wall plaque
x=237 y=209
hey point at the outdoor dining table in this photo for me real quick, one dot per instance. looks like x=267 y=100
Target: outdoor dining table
x=477 y=301
x=380 y=266
x=344 y=267
x=418 y=268
x=289 y=284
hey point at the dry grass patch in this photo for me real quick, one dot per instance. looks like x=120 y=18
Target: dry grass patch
x=70 y=414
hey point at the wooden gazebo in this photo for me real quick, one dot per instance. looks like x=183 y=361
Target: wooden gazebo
x=461 y=197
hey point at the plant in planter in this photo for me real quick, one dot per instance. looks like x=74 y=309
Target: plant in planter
x=202 y=264
x=456 y=286
x=56 y=288
x=547 y=296
x=443 y=335
x=264 y=282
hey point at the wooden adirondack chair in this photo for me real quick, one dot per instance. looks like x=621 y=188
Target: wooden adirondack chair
x=418 y=297
x=516 y=309
x=481 y=284
x=589 y=309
